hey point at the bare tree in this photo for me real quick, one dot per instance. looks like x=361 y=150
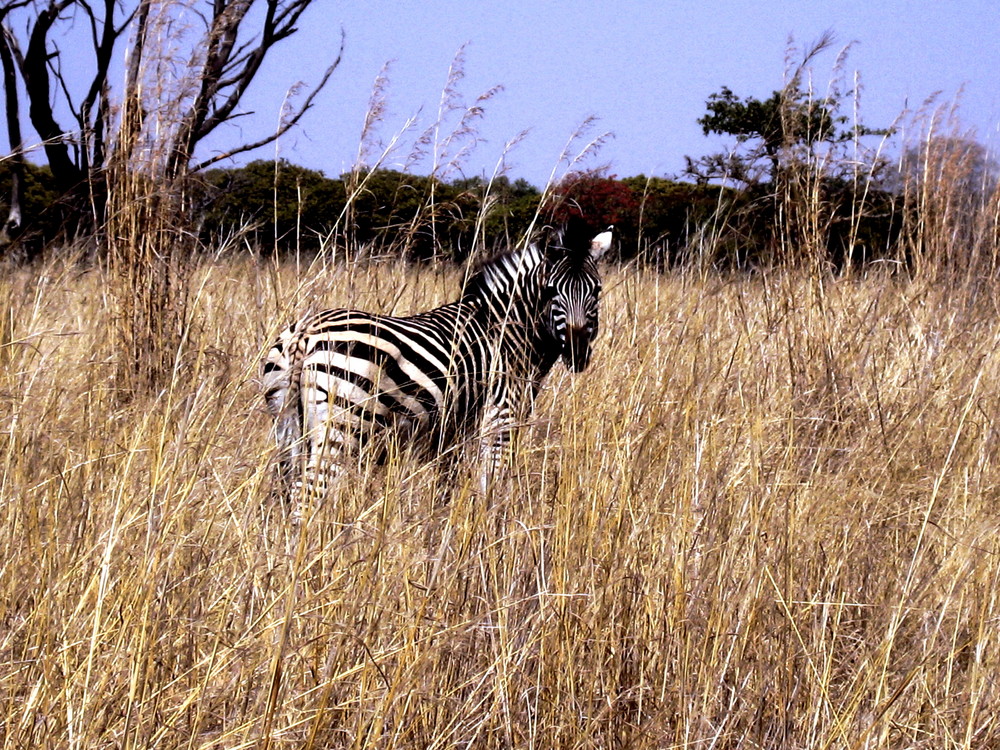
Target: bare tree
x=126 y=160
x=229 y=68
x=225 y=57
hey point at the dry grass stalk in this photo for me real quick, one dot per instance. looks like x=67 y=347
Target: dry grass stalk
x=950 y=188
x=147 y=237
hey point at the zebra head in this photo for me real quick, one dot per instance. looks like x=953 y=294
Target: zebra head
x=572 y=290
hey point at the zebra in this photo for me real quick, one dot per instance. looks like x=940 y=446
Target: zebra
x=341 y=383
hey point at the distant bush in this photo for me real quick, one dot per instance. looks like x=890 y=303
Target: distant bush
x=43 y=221
x=277 y=205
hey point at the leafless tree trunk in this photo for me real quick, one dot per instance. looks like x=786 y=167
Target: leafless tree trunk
x=38 y=87
x=129 y=157
x=12 y=225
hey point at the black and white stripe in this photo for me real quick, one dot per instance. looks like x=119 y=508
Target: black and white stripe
x=341 y=383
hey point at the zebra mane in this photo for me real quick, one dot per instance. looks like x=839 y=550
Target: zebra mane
x=501 y=270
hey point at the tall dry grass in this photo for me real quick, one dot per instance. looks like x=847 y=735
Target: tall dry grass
x=765 y=517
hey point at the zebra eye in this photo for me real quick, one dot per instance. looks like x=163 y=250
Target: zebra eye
x=549 y=293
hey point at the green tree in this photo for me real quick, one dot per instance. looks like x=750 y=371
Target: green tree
x=790 y=127
x=796 y=160
x=39 y=198
x=770 y=128
x=491 y=215
x=391 y=214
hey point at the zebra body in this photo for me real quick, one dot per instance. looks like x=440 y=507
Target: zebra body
x=341 y=383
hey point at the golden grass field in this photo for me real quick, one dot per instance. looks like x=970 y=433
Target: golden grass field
x=766 y=517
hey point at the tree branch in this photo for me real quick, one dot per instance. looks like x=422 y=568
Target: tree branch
x=287 y=123
x=104 y=46
x=225 y=80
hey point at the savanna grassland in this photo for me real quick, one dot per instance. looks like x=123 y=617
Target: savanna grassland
x=766 y=517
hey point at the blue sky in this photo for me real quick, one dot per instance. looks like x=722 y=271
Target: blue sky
x=644 y=69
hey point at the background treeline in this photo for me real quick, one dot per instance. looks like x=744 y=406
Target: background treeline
x=277 y=206
x=799 y=182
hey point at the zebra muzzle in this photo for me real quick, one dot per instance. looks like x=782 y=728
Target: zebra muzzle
x=576 y=351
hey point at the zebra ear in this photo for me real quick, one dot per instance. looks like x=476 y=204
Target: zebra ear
x=601 y=243
x=552 y=239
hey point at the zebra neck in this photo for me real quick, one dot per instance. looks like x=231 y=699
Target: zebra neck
x=508 y=288
x=507 y=295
